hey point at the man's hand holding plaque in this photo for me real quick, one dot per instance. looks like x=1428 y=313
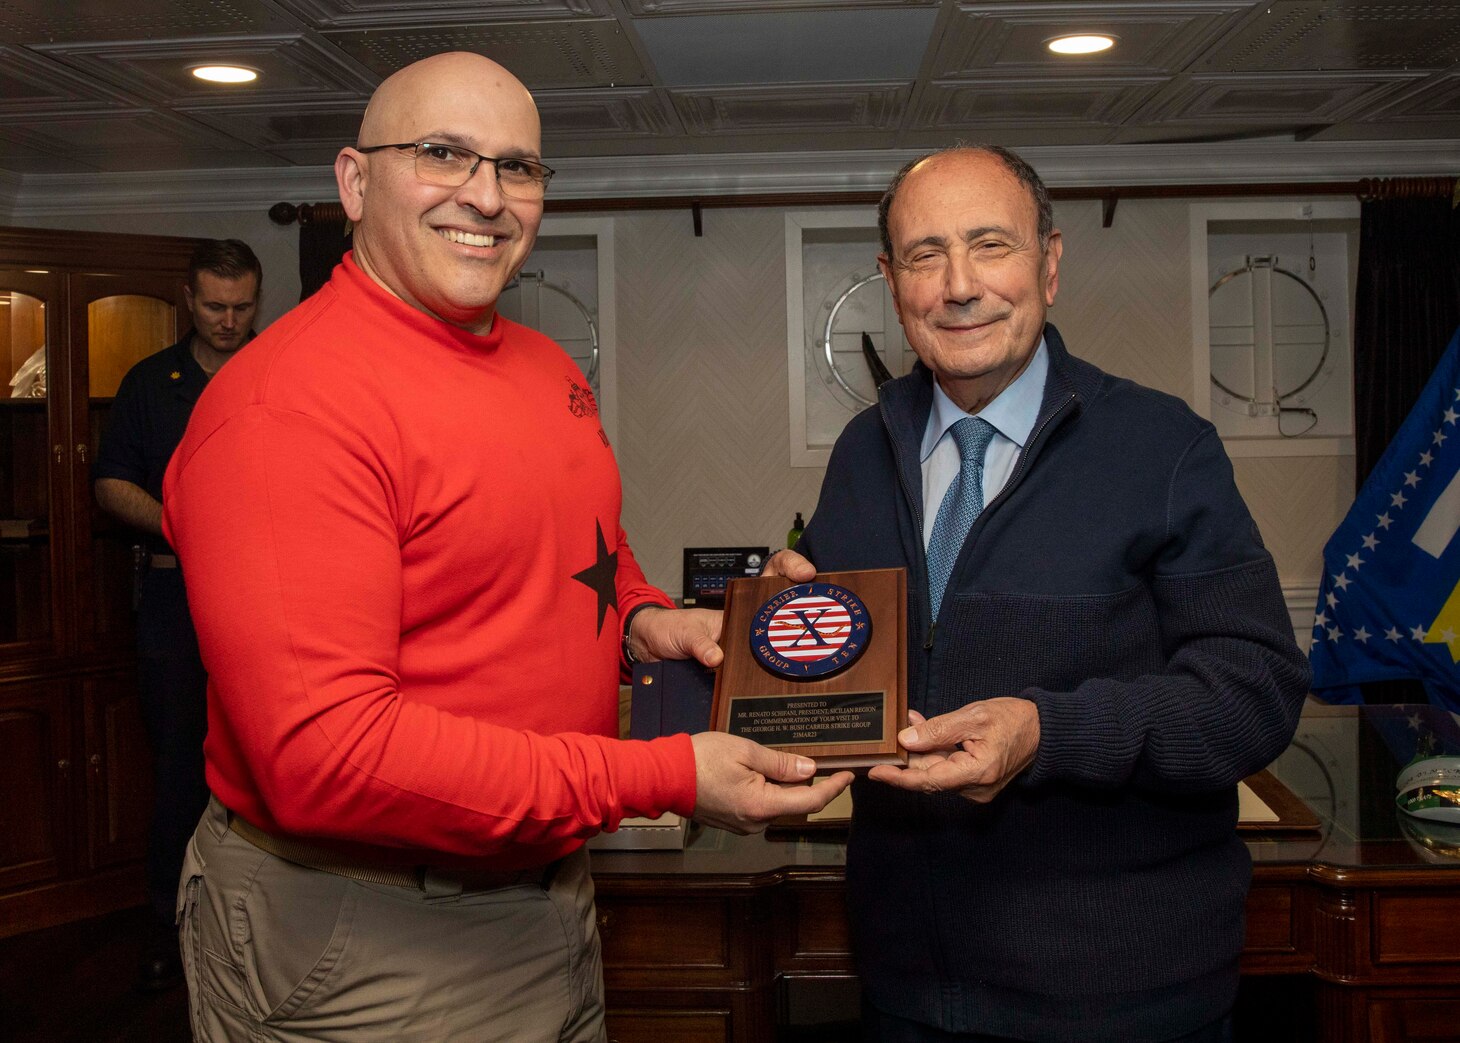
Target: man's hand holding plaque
x=974 y=751
x=739 y=785
x=818 y=667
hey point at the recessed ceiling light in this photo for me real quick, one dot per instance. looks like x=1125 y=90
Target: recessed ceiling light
x=225 y=73
x=1084 y=43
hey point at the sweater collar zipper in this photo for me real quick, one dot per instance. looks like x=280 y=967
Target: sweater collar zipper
x=915 y=501
x=1035 y=442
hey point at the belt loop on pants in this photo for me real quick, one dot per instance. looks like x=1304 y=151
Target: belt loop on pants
x=434 y=882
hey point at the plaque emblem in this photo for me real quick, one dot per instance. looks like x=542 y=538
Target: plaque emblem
x=814 y=682
x=810 y=630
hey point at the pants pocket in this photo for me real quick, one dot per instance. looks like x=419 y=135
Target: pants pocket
x=292 y=932
x=189 y=887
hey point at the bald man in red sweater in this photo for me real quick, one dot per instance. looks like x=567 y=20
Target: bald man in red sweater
x=398 y=519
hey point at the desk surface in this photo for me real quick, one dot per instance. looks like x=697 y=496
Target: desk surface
x=1342 y=763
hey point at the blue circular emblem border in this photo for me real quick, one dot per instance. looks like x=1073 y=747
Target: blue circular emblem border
x=847 y=654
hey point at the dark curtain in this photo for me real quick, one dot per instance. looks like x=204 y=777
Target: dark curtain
x=1407 y=309
x=322 y=242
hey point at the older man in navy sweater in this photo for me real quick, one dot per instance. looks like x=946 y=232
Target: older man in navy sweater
x=1099 y=653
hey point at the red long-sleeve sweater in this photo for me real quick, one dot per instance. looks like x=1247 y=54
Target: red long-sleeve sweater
x=402 y=550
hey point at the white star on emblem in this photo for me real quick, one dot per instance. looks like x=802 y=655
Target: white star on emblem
x=1426 y=458
x=1384 y=520
x=1397 y=499
x=1341 y=581
x=1332 y=600
x=1362 y=636
x=1320 y=620
x=1447 y=635
x=1411 y=478
x=1354 y=561
x=1392 y=634
x=1451 y=416
x=1417 y=633
x=1414 y=720
x=1369 y=542
x=1334 y=633
x=1439 y=437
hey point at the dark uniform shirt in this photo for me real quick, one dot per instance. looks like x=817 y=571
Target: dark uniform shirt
x=147 y=421
x=148 y=418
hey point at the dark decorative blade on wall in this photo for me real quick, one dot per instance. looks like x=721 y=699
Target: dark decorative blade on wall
x=880 y=374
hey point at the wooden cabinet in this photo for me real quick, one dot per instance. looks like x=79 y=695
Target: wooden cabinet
x=77 y=310
x=117 y=770
x=1350 y=926
x=695 y=965
x=691 y=957
x=35 y=776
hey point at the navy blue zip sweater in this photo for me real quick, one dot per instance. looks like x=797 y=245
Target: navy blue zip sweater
x=1119 y=583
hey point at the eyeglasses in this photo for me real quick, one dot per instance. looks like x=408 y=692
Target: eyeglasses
x=453 y=166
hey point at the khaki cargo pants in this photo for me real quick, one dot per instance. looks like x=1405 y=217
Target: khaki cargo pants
x=275 y=951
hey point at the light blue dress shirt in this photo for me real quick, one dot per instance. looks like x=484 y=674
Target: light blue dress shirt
x=1012 y=414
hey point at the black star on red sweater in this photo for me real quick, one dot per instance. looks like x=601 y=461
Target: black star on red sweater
x=600 y=577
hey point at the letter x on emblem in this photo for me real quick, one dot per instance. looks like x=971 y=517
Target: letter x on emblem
x=810 y=625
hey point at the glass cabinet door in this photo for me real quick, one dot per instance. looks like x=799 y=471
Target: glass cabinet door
x=30 y=552
x=125 y=319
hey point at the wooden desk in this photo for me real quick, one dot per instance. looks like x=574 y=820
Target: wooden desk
x=696 y=943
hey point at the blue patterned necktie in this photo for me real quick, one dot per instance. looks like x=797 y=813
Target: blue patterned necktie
x=962 y=504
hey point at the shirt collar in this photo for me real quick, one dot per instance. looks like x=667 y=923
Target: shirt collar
x=1012 y=412
x=188 y=371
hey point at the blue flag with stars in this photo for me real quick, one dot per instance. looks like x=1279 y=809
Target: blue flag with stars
x=1389 y=603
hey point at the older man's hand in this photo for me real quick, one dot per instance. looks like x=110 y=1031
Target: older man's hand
x=975 y=751
x=791 y=565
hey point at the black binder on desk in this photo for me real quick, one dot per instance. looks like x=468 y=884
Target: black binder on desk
x=669 y=697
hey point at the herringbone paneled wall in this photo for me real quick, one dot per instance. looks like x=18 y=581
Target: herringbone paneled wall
x=1124 y=299
x=703 y=413
x=703 y=429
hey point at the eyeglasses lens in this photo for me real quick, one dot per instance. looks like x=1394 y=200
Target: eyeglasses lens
x=444 y=165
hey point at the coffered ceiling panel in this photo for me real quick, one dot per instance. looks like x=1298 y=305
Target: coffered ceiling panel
x=809 y=109
x=677 y=7
x=23 y=158
x=569 y=116
x=1435 y=100
x=30 y=82
x=295 y=65
x=105 y=84
x=1284 y=99
x=320 y=127
x=135 y=140
x=335 y=14
x=33 y=21
x=1342 y=35
x=788 y=46
x=1103 y=102
x=983 y=40
x=546 y=55
x=1011 y=134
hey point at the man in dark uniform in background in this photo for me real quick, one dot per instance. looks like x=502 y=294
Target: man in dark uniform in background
x=147 y=421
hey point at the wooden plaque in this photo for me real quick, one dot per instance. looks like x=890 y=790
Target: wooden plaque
x=819 y=668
